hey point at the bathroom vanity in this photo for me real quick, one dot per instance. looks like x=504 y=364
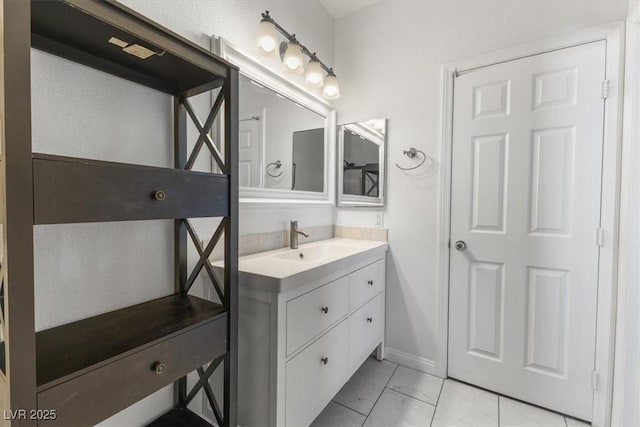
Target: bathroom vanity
x=309 y=317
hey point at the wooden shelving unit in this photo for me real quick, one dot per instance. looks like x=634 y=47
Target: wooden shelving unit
x=93 y=368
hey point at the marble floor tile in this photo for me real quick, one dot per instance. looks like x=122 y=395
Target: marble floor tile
x=399 y=410
x=518 y=414
x=336 y=415
x=461 y=405
x=361 y=392
x=416 y=384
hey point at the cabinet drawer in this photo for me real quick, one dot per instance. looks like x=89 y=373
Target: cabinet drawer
x=365 y=283
x=311 y=313
x=366 y=327
x=101 y=393
x=69 y=190
x=315 y=374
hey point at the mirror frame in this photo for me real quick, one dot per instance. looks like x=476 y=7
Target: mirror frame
x=352 y=200
x=252 y=69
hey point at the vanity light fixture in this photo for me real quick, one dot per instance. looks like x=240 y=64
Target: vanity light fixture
x=292 y=59
x=267 y=36
x=292 y=54
x=331 y=90
x=314 y=76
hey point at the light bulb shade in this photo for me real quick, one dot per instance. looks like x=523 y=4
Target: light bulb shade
x=292 y=59
x=314 y=76
x=267 y=38
x=331 y=89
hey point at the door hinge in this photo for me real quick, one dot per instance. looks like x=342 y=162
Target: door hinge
x=605 y=89
x=599 y=237
x=594 y=380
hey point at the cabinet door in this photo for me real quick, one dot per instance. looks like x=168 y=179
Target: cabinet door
x=315 y=375
x=365 y=283
x=366 y=327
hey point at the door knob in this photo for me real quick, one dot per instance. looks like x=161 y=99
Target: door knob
x=461 y=245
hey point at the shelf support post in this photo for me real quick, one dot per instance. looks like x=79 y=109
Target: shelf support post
x=231 y=124
x=180 y=230
x=18 y=385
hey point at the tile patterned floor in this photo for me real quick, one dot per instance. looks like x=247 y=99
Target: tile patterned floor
x=384 y=394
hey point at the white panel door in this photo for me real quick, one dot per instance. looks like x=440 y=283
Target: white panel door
x=250 y=146
x=526 y=172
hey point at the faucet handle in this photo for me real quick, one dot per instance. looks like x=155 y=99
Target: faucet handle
x=294 y=224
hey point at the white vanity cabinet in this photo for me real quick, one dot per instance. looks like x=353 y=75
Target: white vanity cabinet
x=298 y=347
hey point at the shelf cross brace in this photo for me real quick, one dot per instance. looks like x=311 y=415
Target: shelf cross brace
x=204 y=254
x=203 y=384
x=204 y=138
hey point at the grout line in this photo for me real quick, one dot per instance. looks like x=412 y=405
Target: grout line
x=437 y=402
x=408 y=395
x=351 y=409
x=383 y=389
x=498 y=410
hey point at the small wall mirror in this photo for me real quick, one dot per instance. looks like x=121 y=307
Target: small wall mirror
x=286 y=137
x=361 y=163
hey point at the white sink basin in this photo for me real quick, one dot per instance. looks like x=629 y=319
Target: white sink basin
x=318 y=253
x=284 y=269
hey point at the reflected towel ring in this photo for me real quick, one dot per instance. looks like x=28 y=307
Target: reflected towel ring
x=411 y=153
x=277 y=164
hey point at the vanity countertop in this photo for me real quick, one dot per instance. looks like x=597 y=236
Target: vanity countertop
x=282 y=270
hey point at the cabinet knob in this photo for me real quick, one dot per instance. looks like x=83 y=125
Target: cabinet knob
x=325 y=310
x=159 y=368
x=159 y=195
x=370 y=282
x=324 y=360
x=370 y=319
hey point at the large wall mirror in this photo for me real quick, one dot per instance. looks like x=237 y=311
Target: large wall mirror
x=287 y=137
x=361 y=163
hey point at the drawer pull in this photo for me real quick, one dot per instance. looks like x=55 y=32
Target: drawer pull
x=324 y=360
x=370 y=319
x=159 y=195
x=159 y=368
x=370 y=282
x=325 y=310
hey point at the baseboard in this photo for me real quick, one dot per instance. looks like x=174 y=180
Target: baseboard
x=411 y=361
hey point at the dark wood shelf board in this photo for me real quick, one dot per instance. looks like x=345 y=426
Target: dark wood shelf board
x=71 y=190
x=79 y=30
x=180 y=417
x=75 y=348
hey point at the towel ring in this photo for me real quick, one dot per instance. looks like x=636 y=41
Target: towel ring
x=277 y=164
x=411 y=153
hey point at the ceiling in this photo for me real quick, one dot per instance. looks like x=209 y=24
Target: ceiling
x=340 y=8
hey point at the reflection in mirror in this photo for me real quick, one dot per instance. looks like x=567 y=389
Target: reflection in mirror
x=362 y=161
x=282 y=143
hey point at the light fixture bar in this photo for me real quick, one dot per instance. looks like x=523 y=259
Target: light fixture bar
x=291 y=37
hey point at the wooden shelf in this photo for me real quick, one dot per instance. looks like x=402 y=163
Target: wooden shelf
x=71 y=190
x=79 y=30
x=180 y=417
x=70 y=350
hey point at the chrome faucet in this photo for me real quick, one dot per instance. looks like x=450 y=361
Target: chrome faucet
x=293 y=235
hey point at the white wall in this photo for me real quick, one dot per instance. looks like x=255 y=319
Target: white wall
x=86 y=269
x=388 y=59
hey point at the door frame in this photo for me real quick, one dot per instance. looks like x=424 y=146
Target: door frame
x=262 y=151
x=613 y=35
